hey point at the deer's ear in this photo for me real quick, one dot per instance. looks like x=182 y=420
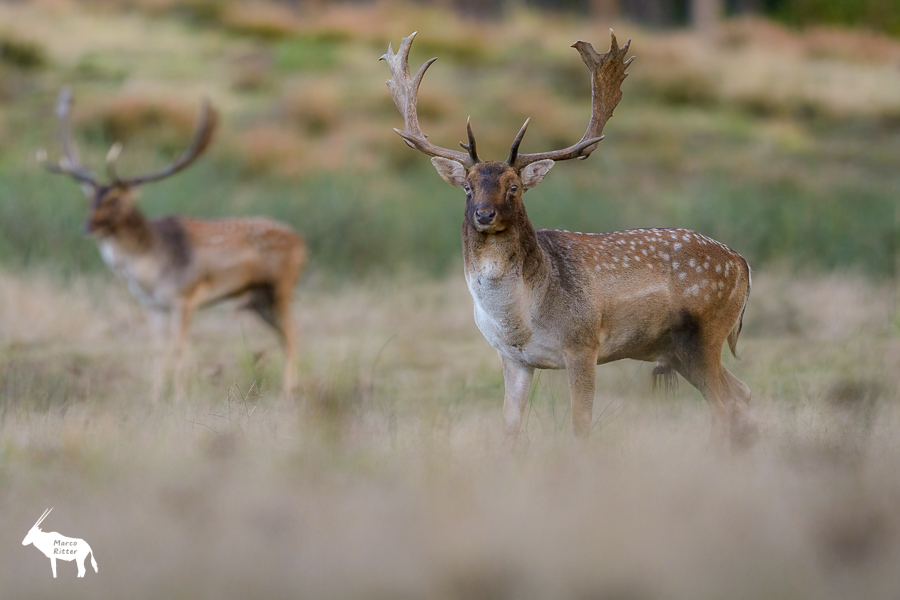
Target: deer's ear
x=534 y=173
x=450 y=171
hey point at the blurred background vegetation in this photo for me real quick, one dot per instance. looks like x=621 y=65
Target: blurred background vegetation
x=771 y=125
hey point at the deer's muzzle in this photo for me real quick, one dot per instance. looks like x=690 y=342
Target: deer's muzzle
x=485 y=215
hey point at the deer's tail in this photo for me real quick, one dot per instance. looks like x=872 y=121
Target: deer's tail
x=736 y=330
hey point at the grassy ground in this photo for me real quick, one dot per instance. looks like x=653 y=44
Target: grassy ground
x=386 y=476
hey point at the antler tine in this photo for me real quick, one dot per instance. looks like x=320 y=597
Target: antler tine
x=203 y=134
x=607 y=75
x=514 y=149
x=69 y=165
x=112 y=156
x=473 y=154
x=404 y=90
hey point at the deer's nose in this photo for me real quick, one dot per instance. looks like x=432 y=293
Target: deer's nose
x=485 y=215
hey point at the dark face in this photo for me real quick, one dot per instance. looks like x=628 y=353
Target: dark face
x=493 y=196
x=111 y=209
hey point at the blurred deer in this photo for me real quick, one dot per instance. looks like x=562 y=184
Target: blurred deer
x=550 y=299
x=174 y=265
x=54 y=546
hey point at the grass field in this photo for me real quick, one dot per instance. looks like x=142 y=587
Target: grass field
x=385 y=475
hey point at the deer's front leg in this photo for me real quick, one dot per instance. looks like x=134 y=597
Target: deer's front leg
x=53 y=565
x=582 y=371
x=517 y=385
x=184 y=309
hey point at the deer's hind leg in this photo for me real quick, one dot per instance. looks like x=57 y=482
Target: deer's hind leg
x=273 y=305
x=699 y=360
x=727 y=396
x=743 y=430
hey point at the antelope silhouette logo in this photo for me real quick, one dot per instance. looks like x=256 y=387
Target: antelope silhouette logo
x=54 y=546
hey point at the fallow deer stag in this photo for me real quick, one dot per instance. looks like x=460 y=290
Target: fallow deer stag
x=175 y=264
x=550 y=299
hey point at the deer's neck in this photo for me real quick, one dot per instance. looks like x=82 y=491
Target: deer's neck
x=132 y=234
x=508 y=262
x=508 y=273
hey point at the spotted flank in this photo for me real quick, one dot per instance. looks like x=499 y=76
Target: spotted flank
x=698 y=267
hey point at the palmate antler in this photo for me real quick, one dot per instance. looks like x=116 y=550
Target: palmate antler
x=607 y=75
x=404 y=91
x=70 y=164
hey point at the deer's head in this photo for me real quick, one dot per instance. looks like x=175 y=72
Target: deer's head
x=35 y=529
x=494 y=189
x=112 y=202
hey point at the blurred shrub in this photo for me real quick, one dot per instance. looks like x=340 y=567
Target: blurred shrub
x=199 y=12
x=880 y=15
x=314 y=108
x=252 y=71
x=96 y=66
x=163 y=120
x=672 y=74
x=261 y=20
x=270 y=150
x=677 y=87
x=463 y=48
x=760 y=103
x=20 y=53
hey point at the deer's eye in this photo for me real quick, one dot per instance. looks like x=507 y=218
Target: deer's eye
x=513 y=187
x=466 y=187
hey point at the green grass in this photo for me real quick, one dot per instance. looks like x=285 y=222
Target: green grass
x=826 y=203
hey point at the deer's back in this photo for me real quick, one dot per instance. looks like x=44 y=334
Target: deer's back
x=630 y=289
x=252 y=243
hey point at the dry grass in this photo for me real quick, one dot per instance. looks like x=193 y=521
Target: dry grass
x=769 y=70
x=261 y=19
x=386 y=476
